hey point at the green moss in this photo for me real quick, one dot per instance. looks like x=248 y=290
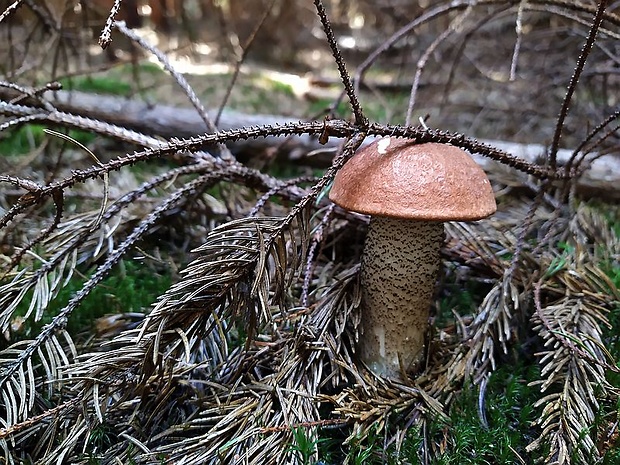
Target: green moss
x=367 y=450
x=22 y=140
x=131 y=287
x=25 y=139
x=509 y=411
x=99 y=85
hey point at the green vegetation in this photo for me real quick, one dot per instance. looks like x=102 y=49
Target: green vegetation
x=100 y=438
x=25 y=139
x=132 y=287
x=116 y=80
x=276 y=86
x=100 y=85
x=304 y=446
x=120 y=80
x=22 y=140
x=509 y=412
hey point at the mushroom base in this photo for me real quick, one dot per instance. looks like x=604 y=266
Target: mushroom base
x=399 y=270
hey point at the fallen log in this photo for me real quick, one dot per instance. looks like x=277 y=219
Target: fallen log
x=601 y=179
x=168 y=121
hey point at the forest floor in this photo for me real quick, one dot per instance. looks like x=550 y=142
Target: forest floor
x=493 y=425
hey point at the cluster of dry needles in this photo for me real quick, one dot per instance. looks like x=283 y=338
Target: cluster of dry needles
x=257 y=336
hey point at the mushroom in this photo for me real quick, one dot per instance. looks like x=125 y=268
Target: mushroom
x=409 y=190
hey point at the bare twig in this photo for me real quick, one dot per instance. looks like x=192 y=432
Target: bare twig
x=245 y=50
x=180 y=79
x=360 y=119
x=581 y=62
x=106 y=38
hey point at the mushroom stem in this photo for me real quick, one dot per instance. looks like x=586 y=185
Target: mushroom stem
x=399 y=270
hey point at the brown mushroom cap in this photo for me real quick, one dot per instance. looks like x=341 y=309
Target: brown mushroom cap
x=396 y=178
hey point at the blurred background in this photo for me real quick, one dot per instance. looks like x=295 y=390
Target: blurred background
x=497 y=70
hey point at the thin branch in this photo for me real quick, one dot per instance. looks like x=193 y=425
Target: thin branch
x=181 y=81
x=58 y=198
x=338 y=128
x=424 y=58
x=245 y=50
x=572 y=86
x=12 y=8
x=575 y=161
x=517 y=47
x=13 y=429
x=360 y=120
x=106 y=38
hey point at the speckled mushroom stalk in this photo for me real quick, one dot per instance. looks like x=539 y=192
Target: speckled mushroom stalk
x=400 y=263
x=409 y=190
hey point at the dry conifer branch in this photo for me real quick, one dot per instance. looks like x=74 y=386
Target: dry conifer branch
x=571 y=408
x=398 y=35
x=260 y=203
x=517 y=47
x=360 y=120
x=66 y=250
x=181 y=81
x=422 y=62
x=32 y=92
x=467 y=37
x=245 y=49
x=59 y=322
x=106 y=38
x=336 y=128
x=58 y=198
x=256 y=337
x=576 y=160
x=587 y=47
